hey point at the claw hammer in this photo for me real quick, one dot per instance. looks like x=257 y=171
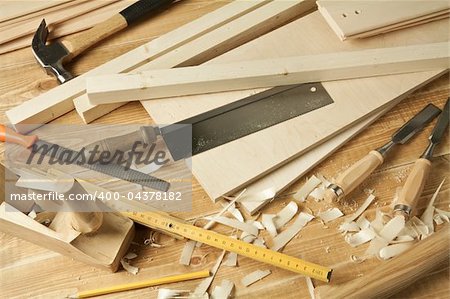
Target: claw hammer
x=53 y=56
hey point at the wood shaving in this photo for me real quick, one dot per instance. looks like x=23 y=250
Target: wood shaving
x=357 y=259
x=130 y=269
x=130 y=256
x=437 y=219
x=283 y=238
x=326 y=183
x=285 y=215
x=349 y=227
x=223 y=291
x=234 y=211
x=361 y=209
x=258 y=224
x=186 y=254
x=393 y=250
x=307 y=188
x=246 y=237
x=330 y=215
x=392 y=229
x=231 y=260
x=362 y=222
x=318 y=193
x=248 y=228
x=310 y=286
x=268 y=222
x=444 y=215
x=377 y=224
x=427 y=216
x=254 y=277
x=363 y=236
x=170 y=294
x=203 y=287
x=260 y=242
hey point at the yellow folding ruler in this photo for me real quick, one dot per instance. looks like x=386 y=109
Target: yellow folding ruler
x=176 y=226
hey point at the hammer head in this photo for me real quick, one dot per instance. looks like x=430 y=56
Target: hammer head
x=51 y=57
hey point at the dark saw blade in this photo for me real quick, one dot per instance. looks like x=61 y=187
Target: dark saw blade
x=114 y=170
x=441 y=125
x=415 y=124
x=244 y=117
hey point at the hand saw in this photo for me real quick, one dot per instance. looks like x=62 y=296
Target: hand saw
x=227 y=123
x=114 y=170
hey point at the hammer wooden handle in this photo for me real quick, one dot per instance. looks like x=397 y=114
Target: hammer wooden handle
x=413 y=187
x=391 y=276
x=355 y=175
x=77 y=44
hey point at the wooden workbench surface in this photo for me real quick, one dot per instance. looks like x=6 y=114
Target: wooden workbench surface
x=28 y=270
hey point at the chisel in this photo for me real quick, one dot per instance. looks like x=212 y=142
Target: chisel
x=31 y=141
x=358 y=172
x=408 y=196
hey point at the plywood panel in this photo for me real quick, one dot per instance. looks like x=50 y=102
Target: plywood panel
x=231 y=166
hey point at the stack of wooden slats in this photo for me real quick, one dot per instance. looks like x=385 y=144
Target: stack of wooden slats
x=359 y=19
x=19 y=20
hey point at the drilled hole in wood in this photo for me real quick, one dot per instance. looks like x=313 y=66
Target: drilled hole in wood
x=357 y=12
x=344 y=15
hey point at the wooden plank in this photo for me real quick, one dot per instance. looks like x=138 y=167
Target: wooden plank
x=59 y=100
x=243 y=161
x=214 y=43
x=204 y=79
x=349 y=19
x=13 y=9
x=53 y=18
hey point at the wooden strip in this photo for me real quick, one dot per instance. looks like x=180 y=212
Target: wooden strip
x=248 y=155
x=350 y=18
x=214 y=43
x=13 y=9
x=29 y=27
x=267 y=73
x=59 y=100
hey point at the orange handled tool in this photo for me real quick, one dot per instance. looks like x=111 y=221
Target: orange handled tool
x=10 y=136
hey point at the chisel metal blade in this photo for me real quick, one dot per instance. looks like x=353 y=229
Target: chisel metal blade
x=415 y=124
x=114 y=170
x=441 y=125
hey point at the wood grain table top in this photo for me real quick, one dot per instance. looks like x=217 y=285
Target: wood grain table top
x=29 y=271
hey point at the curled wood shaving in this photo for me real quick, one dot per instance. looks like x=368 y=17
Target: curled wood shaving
x=393 y=250
x=445 y=215
x=248 y=228
x=259 y=242
x=427 y=216
x=310 y=286
x=223 y=291
x=349 y=227
x=186 y=254
x=285 y=215
x=170 y=294
x=307 y=188
x=283 y=238
x=326 y=183
x=361 y=209
x=254 y=277
x=268 y=222
x=377 y=223
x=130 y=269
x=438 y=219
x=330 y=215
x=361 y=237
x=246 y=237
x=318 y=193
x=258 y=224
x=362 y=222
x=203 y=287
x=392 y=229
x=357 y=259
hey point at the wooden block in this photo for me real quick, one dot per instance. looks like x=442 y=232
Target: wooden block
x=267 y=73
x=245 y=160
x=353 y=19
x=104 y=249
x=213 y=43
x=59 y=100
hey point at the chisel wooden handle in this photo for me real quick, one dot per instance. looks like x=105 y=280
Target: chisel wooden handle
x=10 y=136
x=392 y=276
x=77 y=44
x=413 y=187
x=354 y=176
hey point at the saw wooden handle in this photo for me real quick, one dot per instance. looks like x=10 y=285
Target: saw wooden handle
x=80 y=42
x=355 y=175
x=394 y=275
x=10 y=136
x=413 y=187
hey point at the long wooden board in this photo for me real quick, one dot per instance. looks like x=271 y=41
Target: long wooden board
x=58 y=101
x=225 y=169
x=354 y=19
x=211 y=44
x=166 y=83
x=13 y=9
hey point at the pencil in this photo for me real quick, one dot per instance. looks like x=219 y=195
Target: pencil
x=142 y=284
